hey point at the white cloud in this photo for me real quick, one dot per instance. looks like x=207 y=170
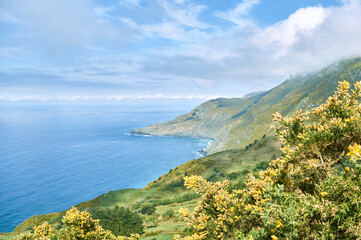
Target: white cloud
x=257 y=58
x=13 y=52
x=103 y=11
x=117 y=98
x=284 y=34
x=180 y=2
x=8 y=17
x=203 y=83
x=167 y=30
x=328 y=35
x=187 y=15
x=176 y=51
x=352 y=3
x=238 y=14
x=60 y=31
x=129 y=3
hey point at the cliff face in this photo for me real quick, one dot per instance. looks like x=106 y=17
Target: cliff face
x=237 y=122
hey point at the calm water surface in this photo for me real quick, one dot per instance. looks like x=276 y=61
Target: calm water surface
x=53 y=156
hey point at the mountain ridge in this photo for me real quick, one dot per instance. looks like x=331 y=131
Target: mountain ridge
x=234 y=123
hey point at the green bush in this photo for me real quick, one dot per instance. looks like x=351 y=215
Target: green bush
x=172 y=186
x=245 y=172
x=120 y=221
x=233 y=176
x=262 y=165
x=148 y=209
x=168 y=214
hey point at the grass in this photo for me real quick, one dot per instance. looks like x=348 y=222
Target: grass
x=161 y=236
x=6 y=236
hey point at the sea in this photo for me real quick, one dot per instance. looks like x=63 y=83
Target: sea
x=56 y=155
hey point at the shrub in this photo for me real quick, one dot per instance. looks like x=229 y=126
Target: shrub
x=262 y=165
x=233 y=176
x=168 y=214
x=245 y=172
x=172 y=186
x=148 y=209
x=311 y=192
x=120 y=221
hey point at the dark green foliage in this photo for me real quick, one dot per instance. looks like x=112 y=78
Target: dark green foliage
x=154 y=202
x=233 y=176
x=237 y=185
x=262 y=165
x=120 y=221
x=166 y=201
x=148 y=209
x=187 y=231
x=213 y=178
x=186 y=197
x=173 y=185
x=169 y=213
x=180 y=199
x=189 y=118
x=241 y=113
x=245 y=172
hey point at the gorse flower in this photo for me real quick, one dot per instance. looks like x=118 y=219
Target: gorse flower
x=279 y=224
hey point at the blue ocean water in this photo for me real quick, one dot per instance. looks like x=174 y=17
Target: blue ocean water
x=53 y=156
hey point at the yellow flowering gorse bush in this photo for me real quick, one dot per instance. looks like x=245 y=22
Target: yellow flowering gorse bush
x=311 y=192
x=76 y=226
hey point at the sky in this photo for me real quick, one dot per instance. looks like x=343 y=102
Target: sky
x=118 y=50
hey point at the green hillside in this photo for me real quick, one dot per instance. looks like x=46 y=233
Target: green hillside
x=235 y=123
x=243 y=143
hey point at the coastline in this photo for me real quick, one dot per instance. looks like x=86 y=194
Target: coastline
x=203 y=144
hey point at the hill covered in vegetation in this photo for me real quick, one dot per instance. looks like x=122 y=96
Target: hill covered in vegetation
x=311 y=192
x=243 y=144
x=237 y=122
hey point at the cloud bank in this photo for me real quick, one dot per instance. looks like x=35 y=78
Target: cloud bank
x=164 y=48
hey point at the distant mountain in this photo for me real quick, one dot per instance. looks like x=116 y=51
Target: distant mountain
x=236 y=122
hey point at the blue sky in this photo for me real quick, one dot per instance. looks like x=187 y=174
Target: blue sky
x=167 y=49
